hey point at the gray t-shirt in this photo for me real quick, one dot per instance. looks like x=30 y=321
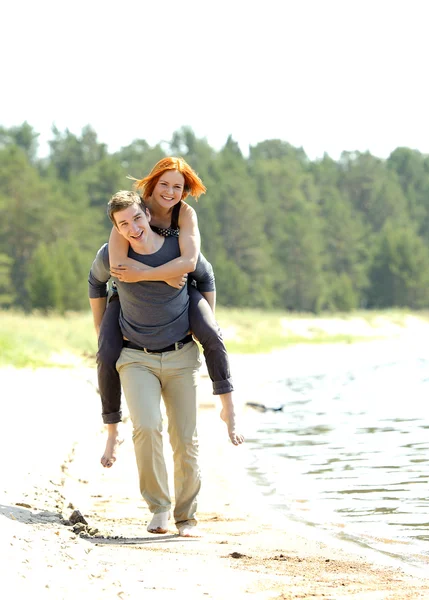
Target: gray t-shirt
x=153 y=314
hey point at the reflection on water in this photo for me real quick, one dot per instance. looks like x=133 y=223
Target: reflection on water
x=349 y=452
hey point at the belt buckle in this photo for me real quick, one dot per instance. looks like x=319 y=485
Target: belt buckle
x=178 y=345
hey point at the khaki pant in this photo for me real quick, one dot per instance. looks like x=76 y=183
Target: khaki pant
x=144 y=378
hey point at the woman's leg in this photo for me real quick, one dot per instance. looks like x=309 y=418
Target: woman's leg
x=207 y=331
x=110 y=342
x=109 y=348
x=205 y=328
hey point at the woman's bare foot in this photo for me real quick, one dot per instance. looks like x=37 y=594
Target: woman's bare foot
x=227 y=414
x=109 y=456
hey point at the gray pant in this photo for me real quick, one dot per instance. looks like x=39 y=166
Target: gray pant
x=144 y=378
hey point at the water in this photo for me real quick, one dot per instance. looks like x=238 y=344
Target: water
x=349 y=451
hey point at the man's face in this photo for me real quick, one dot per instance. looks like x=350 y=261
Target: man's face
x=133 y=223
x=169 y=189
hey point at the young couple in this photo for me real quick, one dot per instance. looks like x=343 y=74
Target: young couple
x=165 y=295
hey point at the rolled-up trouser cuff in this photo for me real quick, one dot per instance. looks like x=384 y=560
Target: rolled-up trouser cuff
x=222 y=387
x=111 y=418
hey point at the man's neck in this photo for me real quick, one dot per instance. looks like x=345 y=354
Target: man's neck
x=151 y=244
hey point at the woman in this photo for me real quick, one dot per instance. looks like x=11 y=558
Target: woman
x=164 y=191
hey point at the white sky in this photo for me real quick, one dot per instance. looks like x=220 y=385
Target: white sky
x=328 y=75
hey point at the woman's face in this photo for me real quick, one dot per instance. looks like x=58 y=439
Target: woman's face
x=169 y=189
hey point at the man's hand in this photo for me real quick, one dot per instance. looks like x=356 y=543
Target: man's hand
x=177 y=282
x=127 y=274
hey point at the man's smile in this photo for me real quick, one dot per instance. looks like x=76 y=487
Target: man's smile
x=136 y=236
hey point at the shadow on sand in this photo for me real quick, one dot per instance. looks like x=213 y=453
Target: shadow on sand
x=24 y=515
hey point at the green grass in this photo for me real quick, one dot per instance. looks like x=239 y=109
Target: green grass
x=273 y=342
x=256 y=331
x=39 y=340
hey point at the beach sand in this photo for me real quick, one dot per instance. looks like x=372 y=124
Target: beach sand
x=50 y=449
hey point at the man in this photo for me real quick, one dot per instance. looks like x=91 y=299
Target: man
x=159 y=357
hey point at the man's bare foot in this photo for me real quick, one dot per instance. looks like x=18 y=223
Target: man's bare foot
x=159 y=523
x=227 y=414
x=109 y=456
x=190 y=531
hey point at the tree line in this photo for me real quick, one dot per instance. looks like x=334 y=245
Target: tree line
x=282 y=231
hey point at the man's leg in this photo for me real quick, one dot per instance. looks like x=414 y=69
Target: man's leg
x=139 y=374
x=179 y=389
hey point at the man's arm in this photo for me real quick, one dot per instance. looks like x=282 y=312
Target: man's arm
x=131 y=271
x=205 y=280
x=211 y=299
x=98 y=307
x=98 y=277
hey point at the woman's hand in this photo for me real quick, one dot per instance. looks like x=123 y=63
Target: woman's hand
x=177 y=282
x=127 y=274
x=131 y=274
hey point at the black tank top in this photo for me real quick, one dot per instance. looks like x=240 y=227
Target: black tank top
x=173 y=230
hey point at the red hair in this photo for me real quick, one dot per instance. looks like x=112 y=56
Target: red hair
x=193 y=184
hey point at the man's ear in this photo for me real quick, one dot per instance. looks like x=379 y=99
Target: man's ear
x=148 y=215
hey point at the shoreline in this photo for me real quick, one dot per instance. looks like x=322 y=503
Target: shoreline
x=68 y=340
x=53 y=445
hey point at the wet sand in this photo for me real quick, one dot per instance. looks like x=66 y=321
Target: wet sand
x=50 y=449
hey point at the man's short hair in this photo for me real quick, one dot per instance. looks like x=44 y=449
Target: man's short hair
x=121 y=200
